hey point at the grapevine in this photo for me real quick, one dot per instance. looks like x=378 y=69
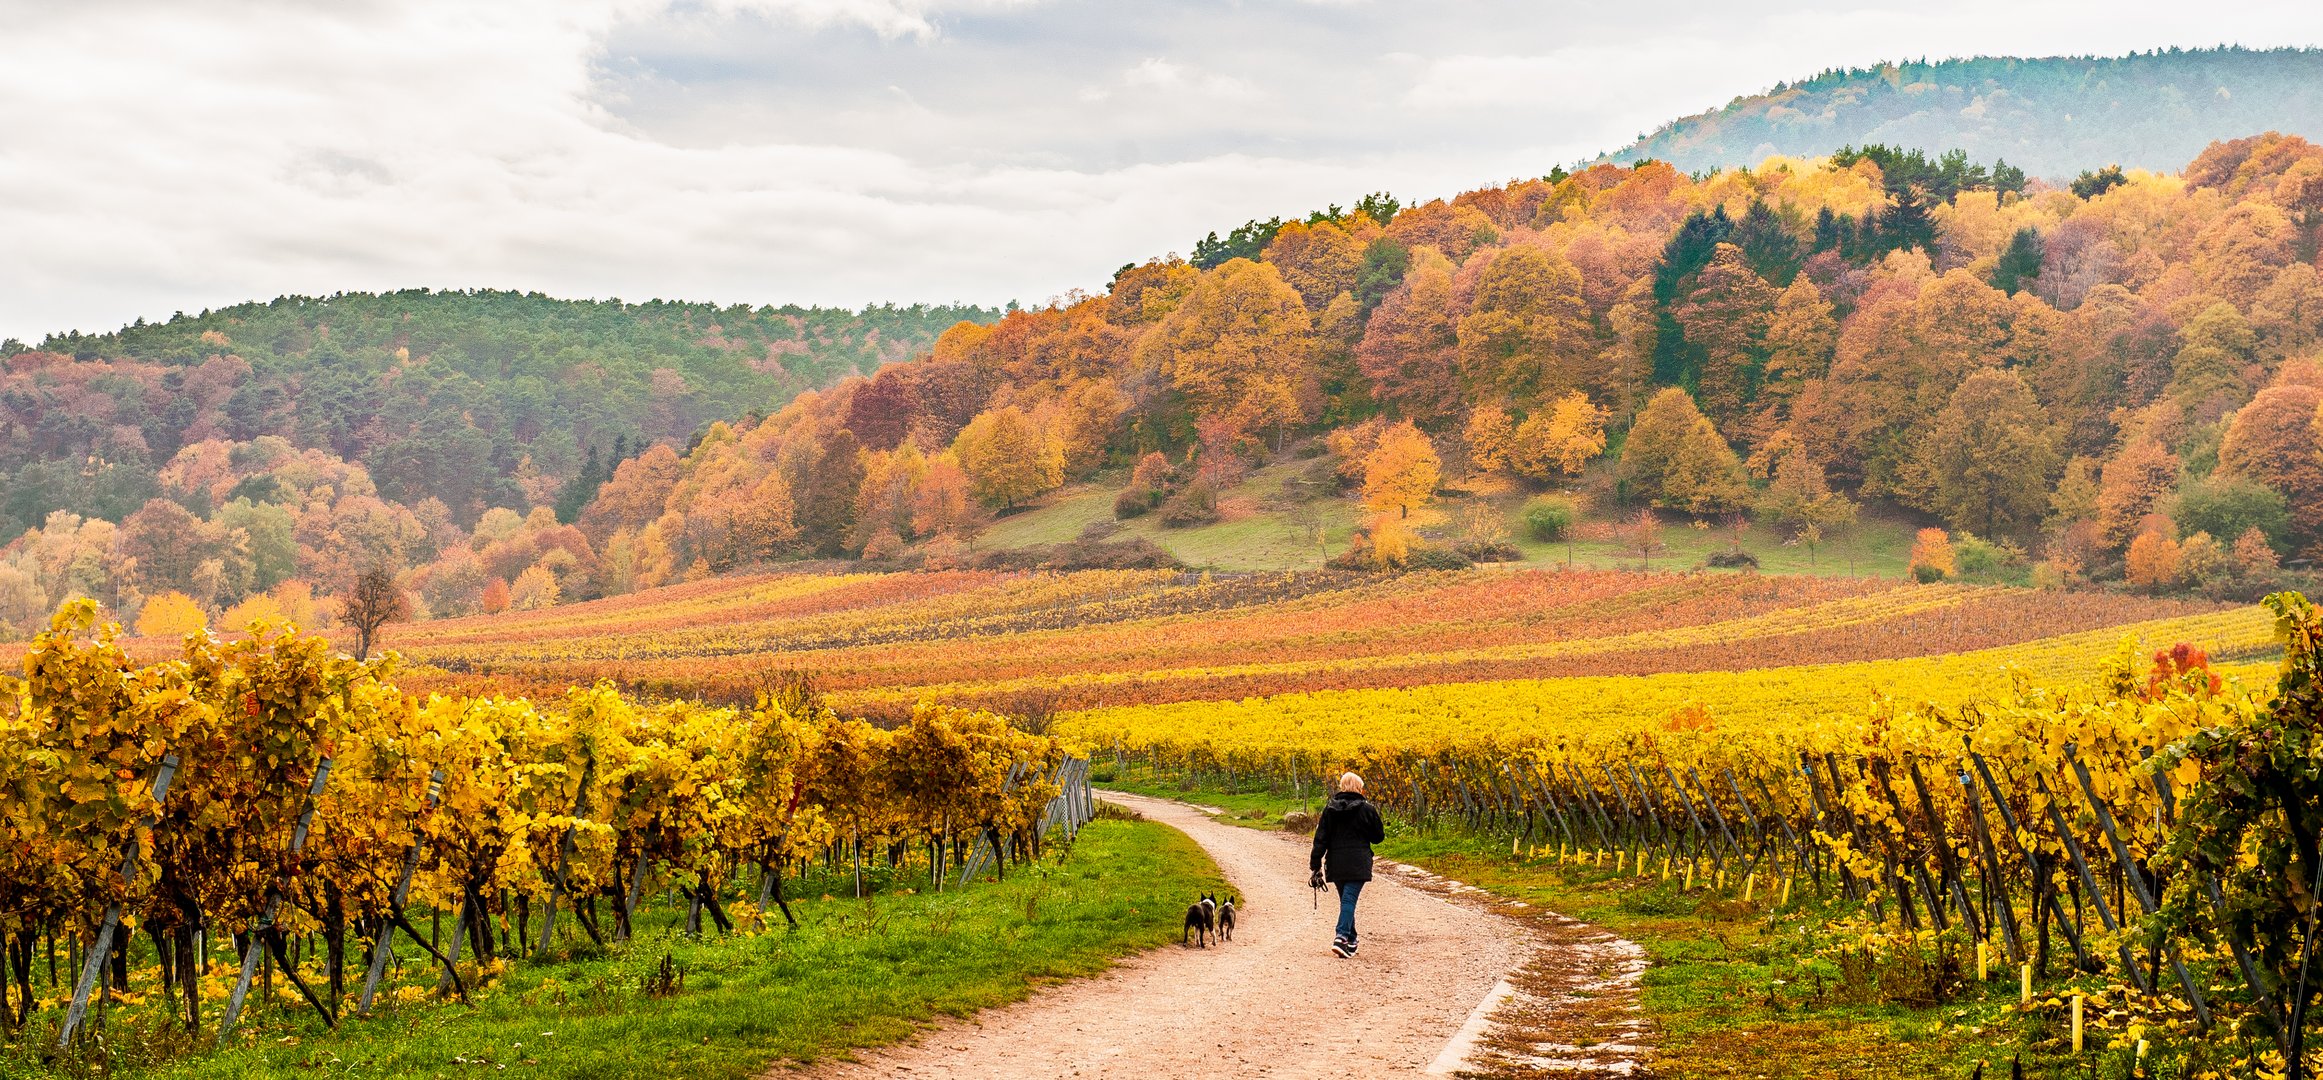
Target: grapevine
x=508 y=811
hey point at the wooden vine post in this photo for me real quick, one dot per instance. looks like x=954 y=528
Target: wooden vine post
x=101 y=951
x=548 y=921
x=265 y=924
x=1991 y=857
x=2037 y=866
x=379 y=948
x=2129 y=964
x=2137 y=881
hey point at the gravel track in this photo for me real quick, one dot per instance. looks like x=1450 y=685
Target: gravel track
x=1273 y=1003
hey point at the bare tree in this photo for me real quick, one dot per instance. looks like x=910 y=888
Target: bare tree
x=1643 y=538
x=1307 y=525
x=371 y=602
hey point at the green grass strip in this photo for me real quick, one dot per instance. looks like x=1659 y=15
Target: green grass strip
x=855 y=974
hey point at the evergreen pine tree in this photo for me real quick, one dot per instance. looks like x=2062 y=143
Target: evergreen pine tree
x=2020 y=263
x=1683 y=257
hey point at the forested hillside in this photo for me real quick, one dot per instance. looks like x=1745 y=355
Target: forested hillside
x=2114 y=380
x=477 y=399
x=2053 y=116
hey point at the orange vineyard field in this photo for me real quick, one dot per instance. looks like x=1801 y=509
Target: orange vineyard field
x=1048 y=642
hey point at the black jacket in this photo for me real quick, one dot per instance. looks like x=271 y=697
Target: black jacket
x=1343 y=838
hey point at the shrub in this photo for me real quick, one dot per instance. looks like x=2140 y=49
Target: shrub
x=1488 y=551
x=1733 y=560
x=1391 y=542
x=256 y=609
x=171 y=614
x=1111 y=811
x=1153 y=472
x=1431 y=557
x=2203 y=562
x=884 y=545
x=1357 y=555
x=1197 y=504
x=1321 y=476
x=1549 y=517
x=2254 y=557
x=1136 y=553
x=1974 y=555
x=1133 y=502
x=2048 y=575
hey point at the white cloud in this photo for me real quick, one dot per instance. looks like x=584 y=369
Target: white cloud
x=886 y=18
x=1155 y=73
x=165 y=156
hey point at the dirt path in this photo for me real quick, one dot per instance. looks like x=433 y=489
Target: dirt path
x=1275 y=1003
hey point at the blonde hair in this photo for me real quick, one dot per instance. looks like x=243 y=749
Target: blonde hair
x=1350 y=782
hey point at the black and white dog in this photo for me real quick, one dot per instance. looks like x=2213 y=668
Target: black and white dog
x=1201 y=920
x=1226 y=919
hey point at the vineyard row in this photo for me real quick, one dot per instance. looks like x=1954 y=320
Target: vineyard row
x=271 y=792
x=2120 y=818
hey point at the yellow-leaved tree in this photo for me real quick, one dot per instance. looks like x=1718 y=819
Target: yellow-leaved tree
x=1391 y=542
x=258 y=608
x=1490 y=435
x=1007 y=457
x=171 y=614
x=1399 y=475
x=534 y=589
x=1560 y=440
x=1240 y=348
x=1654 y=440
x=1526 y=333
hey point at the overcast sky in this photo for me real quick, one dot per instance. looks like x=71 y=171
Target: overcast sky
x=165 y=155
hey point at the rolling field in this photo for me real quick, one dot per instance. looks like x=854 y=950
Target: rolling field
x=1051 y=643
x=1602 y=710
x=1473 y=699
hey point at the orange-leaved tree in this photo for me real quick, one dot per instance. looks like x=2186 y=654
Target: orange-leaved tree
x=1399 y=475
x=1932 y=558
x=2274 y=441
x=2131 y=486
x=2153 y=561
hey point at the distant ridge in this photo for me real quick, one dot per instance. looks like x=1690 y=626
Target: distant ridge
x=2053 y=117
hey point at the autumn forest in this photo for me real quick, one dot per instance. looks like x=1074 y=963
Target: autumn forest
x=2111 y=378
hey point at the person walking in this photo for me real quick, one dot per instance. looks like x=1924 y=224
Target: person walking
x=1342 y=853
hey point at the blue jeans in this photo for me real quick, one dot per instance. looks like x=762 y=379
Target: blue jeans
x=1348 y=891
